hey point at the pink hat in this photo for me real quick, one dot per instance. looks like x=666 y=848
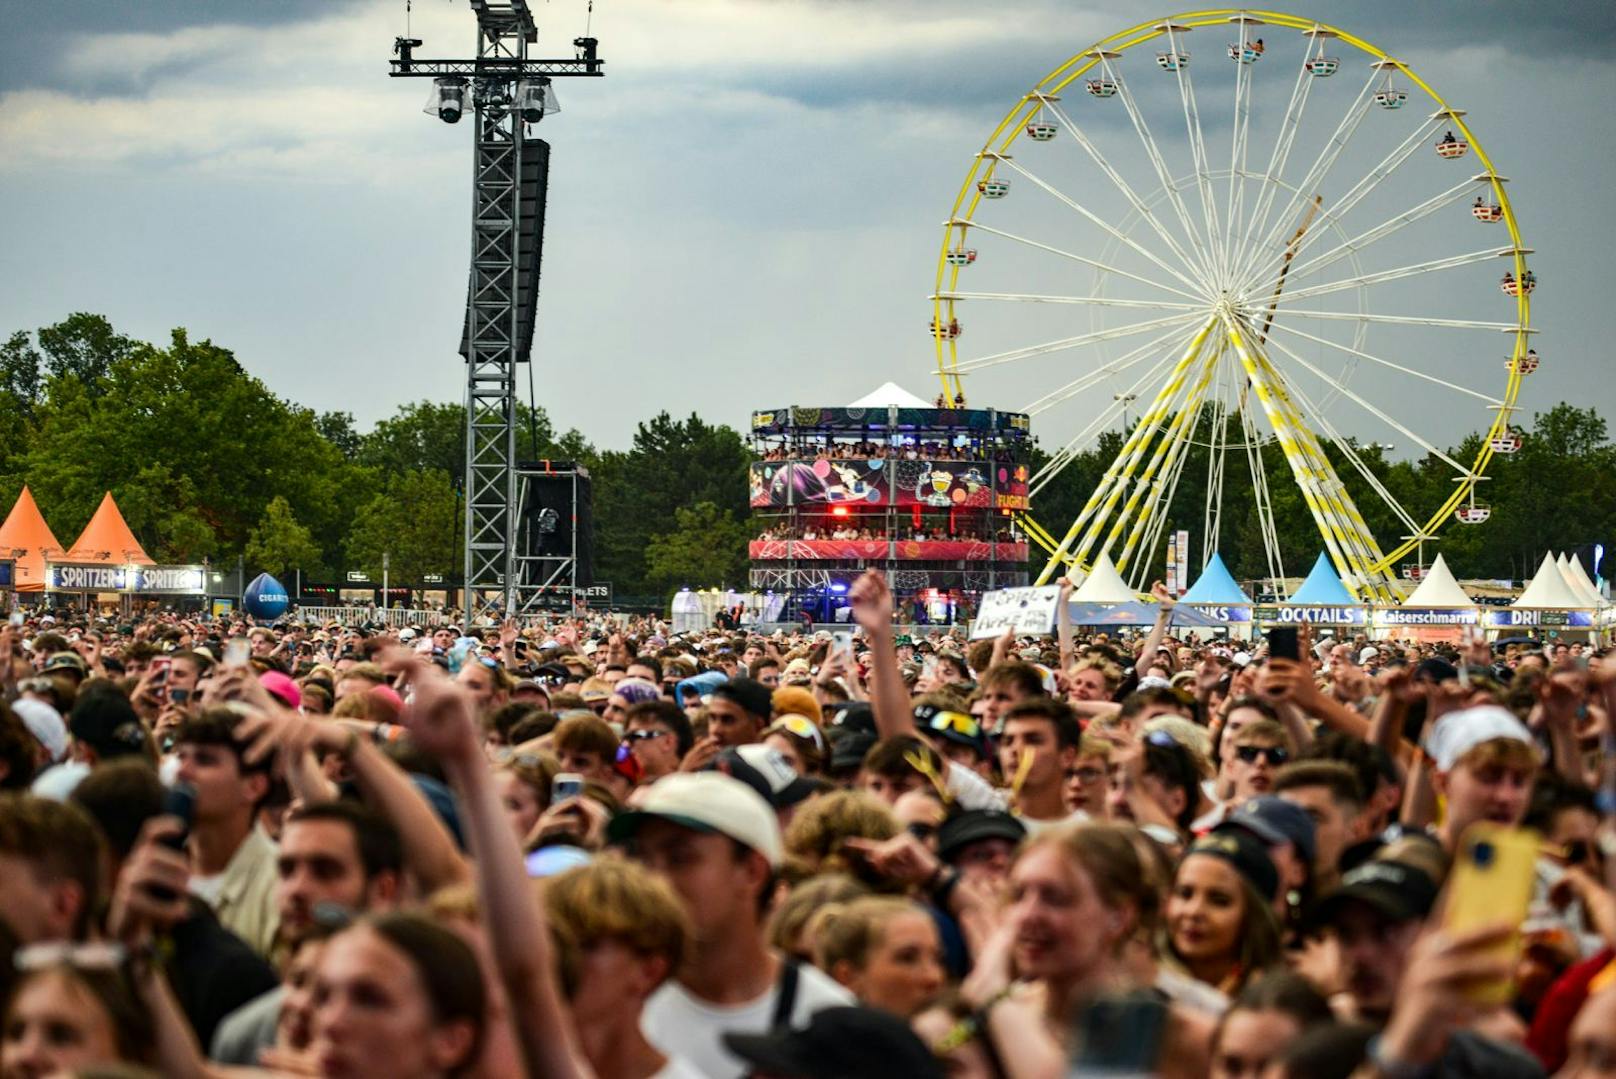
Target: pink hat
x=389 y=697
x=283 y=687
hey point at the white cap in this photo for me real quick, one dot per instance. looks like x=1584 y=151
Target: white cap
x=44 y=723
x=1241 y=659
x=709 y=802
x=1369 y=652
x=1457 y=733
x=407 y=633
x=1151 y=681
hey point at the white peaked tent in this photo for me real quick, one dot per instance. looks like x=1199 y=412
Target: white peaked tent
x=1438 y=588
x=1587 y=582
x=1103 y=585
x=1548 y=590
x=1581 y=587
x=888 y=394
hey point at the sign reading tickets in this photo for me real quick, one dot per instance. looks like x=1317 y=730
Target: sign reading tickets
x=1028 y=611
x=1287 y=615
x=151 y=580
x=1512 y=618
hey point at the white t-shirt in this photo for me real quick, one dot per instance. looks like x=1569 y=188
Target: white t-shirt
x=970 y=791
x=682 y=1026
x=1076 y=816
x=678 y=1068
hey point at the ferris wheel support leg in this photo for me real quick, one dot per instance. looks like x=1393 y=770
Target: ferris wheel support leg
x=1345 y=536
x=1160 y=468
x=1110 y=487
x=1121 y=474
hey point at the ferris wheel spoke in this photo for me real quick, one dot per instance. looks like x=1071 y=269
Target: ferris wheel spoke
x=1104 y=267
x=1404 y=320
x=1261 y=497
x=1097 y=301
x=1289 y=127
x=1099 y=374
x=1139 y=205
x=1362 y=355
x=1239 y=139
x=1198 y=155
x=1374 y=410
x=1359 y=191
x=1071 y=342
x=1386 y=228
x=1398 y=273
x=1103 y=225
x=1327 y=156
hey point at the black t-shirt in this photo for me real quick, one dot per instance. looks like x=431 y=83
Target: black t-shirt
x=213 y=972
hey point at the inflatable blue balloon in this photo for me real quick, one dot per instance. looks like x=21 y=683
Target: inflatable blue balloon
x=266 y=598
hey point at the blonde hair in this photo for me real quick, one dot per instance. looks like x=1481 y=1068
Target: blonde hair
x=788 y=929
x=821 y=825
x=846 y=932
x=615 y=899
x=1508 y=752
x=1106 y=853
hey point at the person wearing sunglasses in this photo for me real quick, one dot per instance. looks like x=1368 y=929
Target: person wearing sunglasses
x=800 y=741
x=658 y=732
x=73 y=1007
x=1259 y=751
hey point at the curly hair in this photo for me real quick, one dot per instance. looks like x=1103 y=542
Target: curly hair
x=821 y=826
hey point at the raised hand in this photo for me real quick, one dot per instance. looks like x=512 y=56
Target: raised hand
x=151 y=893
x=872 y=602
x=1163 y=596
x=441 y=716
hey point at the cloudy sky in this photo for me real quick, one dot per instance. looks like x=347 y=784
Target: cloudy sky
x=744 y=213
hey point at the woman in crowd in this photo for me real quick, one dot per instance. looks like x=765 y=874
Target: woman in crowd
x=524 y=787
x=73 y=1007
x=885 y=950
x=1220 y=927
x=1267 y=1016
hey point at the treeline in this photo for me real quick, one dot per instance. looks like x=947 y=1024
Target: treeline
x=206 y=462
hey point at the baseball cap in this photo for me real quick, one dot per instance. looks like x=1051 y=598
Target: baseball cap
x=839 y=1043
x=708 y=802
x=1457 y=733
x=974 y=825
x=281 y=686
x=1368 y=653
x=849 y=747
x=766 y=770
x=44 y=723
x=1277 y=820
x=1396 y=890
x=105 y=721
x=70 y=662
x=1244 y=853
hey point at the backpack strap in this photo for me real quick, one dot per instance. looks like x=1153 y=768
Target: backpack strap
x=785 y=999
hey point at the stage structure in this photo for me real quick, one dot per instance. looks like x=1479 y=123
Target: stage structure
x=925 y=494
x=506 y=93
x=555 y=535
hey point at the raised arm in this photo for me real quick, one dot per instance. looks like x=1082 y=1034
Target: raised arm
x=1063 y=624
x=442 y=720
x=889 y=699
x=1166 y=601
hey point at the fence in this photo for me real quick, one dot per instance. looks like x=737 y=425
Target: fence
x=351 y=616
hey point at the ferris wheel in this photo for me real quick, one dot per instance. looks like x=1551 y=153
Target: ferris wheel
x=1247 y=230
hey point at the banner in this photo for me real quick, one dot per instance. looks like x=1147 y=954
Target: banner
x=880 y=550
x=1222 y=613
x=877 y=482
x=1028 y=611
x=147 y=580
x=1178 y=563
x=8 y=573
x=1287 y=615
x=862 y=420
x=1512 y=618
x=1427 y=616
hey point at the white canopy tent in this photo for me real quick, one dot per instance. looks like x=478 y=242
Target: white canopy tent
x=1438 y=588
x=1104 y=585
x=1581 y=587
x=1548 y=590
x=889 y=394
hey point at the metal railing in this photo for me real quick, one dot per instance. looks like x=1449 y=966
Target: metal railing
x=352 y=616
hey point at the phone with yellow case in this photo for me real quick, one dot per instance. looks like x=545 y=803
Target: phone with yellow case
x=1493 y=873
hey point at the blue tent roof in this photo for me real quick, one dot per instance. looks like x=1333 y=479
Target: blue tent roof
x=1216 y=585
x=1323 y=587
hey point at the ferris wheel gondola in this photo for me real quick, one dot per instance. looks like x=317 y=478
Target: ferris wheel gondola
x=1236 y=296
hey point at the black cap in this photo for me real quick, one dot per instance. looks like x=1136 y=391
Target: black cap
x=1245 y=853
x=974 y=825
x=953 y=726
x=104 y=720
x=839 y=1043
x=1398 y=891
x=753 y=696
x=857 y=716
x=1277 y=820
x=1436 y=669
x=766 y=770
x=848 y=748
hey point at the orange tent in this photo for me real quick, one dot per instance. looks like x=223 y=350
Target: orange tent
x=107 y=540
x=26 y=537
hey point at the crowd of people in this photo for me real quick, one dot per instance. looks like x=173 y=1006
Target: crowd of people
x=589 y=846
x=873 y=527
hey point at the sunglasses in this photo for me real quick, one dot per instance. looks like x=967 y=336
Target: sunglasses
x=1086 y=776
x=802 y=727
x=96 y=955
x=1274 y=755
x=645 y=735
x=958 y=722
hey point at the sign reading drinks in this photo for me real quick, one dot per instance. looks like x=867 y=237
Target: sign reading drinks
x=145 y=580
x=1222 y=612
x=1512 y=617
x=1288 y=615
x=1028 y=611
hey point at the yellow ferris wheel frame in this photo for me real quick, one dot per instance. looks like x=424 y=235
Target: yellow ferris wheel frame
x=1368 y=564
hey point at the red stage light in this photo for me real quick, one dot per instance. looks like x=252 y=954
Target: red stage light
x=839 y=511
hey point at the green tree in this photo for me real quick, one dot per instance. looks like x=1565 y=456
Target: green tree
x=21 y=377
x=413 y=522
x=83 y=346
x=337 y=428
x=430 y=435
x=279 y=544
x=706 y=548
x=673 y=464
